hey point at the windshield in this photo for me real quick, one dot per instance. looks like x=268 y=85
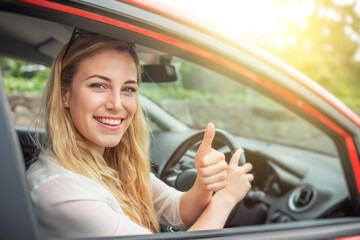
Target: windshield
x=200 y=95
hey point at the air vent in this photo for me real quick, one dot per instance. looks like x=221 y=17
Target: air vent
x=302 y=198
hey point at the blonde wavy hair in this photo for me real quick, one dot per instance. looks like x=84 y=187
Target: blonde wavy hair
x=124 y=169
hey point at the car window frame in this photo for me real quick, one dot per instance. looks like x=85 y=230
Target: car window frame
x=62 y=17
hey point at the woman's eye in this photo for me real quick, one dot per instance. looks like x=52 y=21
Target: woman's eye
x=97 y=86
x=129 y=90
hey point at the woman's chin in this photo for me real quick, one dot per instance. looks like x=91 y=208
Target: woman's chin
x=108 y=144
x=111 y=144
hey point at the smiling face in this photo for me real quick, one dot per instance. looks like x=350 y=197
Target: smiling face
x=102 y=97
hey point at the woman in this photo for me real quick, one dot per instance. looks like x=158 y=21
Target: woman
x=93 y=175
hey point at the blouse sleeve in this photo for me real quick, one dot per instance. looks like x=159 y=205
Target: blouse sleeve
x=66 y=209
x=166 y=203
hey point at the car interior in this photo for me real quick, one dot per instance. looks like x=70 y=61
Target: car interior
x=295 y=179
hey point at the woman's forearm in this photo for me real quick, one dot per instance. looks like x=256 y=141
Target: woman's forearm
x=193 y=203
x=215 y=214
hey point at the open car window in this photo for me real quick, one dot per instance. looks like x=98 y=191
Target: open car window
x=303 y=146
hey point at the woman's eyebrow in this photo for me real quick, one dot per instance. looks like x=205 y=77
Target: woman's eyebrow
x=109 y=80
x=131 y=81
x=99 y=76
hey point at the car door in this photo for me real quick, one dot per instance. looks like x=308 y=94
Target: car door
x=17 y=216
x=148 y=28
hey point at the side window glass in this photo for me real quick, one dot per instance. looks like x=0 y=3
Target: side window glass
x=24 y=83
x=201 y=95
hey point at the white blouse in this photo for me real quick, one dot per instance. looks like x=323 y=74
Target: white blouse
x=68 y=204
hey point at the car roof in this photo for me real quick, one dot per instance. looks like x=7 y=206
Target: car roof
x=35 y=39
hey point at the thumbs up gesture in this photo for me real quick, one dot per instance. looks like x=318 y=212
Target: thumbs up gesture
x=230 y=182
x=210 y=164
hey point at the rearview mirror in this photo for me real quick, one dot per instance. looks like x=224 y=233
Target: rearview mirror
x=158 y=73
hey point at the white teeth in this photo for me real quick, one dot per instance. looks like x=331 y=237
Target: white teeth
x=109 y=121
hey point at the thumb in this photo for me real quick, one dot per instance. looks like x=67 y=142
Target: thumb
x=205 y=146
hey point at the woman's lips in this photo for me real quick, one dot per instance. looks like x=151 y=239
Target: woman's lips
x=110 y=122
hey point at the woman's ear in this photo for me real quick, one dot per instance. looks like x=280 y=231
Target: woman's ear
x=65 y=95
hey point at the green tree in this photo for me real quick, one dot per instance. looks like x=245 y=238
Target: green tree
x=325 y=49
x=16 y=79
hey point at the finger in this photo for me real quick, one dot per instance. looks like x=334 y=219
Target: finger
x=250 y=177
x=247 y=167
x=213 y=169
x=219 y=177
x=216 y=186
x=234 y=161
x=211 y=158
x=205 y=146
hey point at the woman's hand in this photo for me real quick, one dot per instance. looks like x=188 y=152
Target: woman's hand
x=210 y=164
x=218 y=209
x=198 y=208
x=212 y=171
x=238 y=179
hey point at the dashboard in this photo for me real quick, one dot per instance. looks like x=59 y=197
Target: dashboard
x=289 y=184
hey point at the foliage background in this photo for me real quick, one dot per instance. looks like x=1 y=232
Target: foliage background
x=324 y=45
x=21 y=76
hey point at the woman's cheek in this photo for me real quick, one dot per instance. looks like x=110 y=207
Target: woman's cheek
x=130 y=106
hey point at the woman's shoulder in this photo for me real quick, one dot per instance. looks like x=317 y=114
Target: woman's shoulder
x=47 y=173
x=43 y=170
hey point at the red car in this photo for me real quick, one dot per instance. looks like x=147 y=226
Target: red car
x=303 y=143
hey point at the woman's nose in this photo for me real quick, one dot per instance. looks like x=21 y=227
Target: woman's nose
x=114 y=102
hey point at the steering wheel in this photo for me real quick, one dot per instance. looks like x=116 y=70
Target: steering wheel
x=186 y=179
